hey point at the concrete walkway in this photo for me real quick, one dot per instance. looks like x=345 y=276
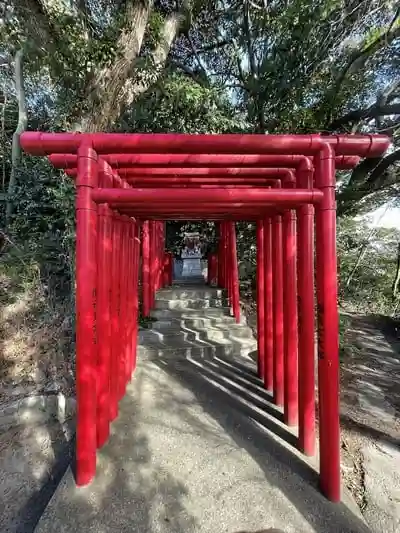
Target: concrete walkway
x=198 y=448
x=184 y=459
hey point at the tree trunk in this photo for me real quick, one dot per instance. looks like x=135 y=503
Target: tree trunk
x=116 y=87
x=396 y=282
x=142 y=80
x=3 y=139
x=105 y=92
x=112 y=88
x=21 y=127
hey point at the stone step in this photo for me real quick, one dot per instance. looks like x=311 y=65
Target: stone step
x=154 y=335
x=225 y=329
x=189 y=281
x=194 y=350
x=206 y=334
x=190 y=313
x=196 y=322
x=198 y=303
x=192 y=293
x=193 y=339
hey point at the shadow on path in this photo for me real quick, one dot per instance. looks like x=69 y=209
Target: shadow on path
x=194 y=451
x=131 y=491
x=63 y=449
x=256 y=433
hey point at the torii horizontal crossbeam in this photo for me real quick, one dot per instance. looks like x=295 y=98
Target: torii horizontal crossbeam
x=38 y=143
x=69 y=161
x=188 y=196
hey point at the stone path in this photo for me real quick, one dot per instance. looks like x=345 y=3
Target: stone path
x=198 y=446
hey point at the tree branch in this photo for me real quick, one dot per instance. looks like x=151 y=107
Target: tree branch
x=3 y=139
x=189 y=72
x=362 y=170
x=211 y=47
x=85 y=14
x=237 y=86
x=170 y=30
x=21 y=127
x=37 y=19
x=385 y=96
x=396 y=281
x=383 y=165
x=351 y=201
x=249 y=43
x=83 y=8
x=106 y=90
x=358 y=57
x=391 y=127
x=356 y=115
x=395 y=17
x=238 y=58
x=197 y=57
x=118 y=86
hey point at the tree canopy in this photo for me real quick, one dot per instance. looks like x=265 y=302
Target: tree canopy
x=213 y=66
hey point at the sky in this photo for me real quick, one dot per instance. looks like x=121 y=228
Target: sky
x=390 y=218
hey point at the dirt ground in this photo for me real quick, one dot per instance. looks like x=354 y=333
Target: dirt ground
x=370 y=418
x=36 y=397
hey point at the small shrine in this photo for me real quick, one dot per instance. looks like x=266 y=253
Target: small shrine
x=191 y=255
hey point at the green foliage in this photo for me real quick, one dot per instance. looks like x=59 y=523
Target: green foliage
x=155 y=25
x=343 y=327
x=293 y=54
x=246 y=248
x=370 y=288
x=43 y=222
x=178 y=104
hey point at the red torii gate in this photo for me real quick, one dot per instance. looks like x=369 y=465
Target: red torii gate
x=264 y=178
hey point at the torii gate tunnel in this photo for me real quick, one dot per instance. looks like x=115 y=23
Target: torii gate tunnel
x=127 y=185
